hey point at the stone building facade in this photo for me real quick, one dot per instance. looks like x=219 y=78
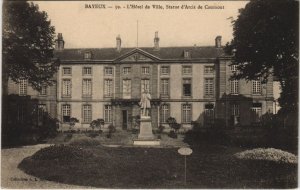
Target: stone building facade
x=187 y=83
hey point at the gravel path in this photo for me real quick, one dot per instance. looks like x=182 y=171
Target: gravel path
x=12 y=177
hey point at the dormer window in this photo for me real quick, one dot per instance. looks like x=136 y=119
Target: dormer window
x=187 y=54
x=87 y=55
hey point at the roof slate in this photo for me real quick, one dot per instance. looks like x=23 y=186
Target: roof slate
x=163 y=53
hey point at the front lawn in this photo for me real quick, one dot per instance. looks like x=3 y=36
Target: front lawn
x=131 y=167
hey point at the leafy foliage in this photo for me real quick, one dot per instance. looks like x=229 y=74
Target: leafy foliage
x=97 y=123
x=28 y=40
x=73 y=121
x=173 y=124
x=266 y=43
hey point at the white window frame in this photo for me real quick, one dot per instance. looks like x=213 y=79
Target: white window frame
x=209 y=69
x=87 y=87
x=235 y=109
x=87 y=113
x=209 y=87
x=108 y=71
x=87 y=71
x=107 y=113
x=233 y=68
x=67 y=71
x=234 y=87
x=87 y=55
x=23 y=85
x=187 y=81
x=65 y=111
x=145 y=70
x=126 y=88
x=165 y=70
x=145 y=85
x=186 y=110
x=43 y=91
x=187 y=70
x=165 y=87
x=66 y=88
x=126 y=70
x=164 y=113
x=108 y=87
x=256 y=87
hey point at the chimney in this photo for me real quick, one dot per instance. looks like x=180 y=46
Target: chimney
x=119 y=42
x=59 y=42
x=218 y=41
x=156 y=42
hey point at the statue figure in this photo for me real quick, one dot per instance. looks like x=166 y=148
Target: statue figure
x=145 y=103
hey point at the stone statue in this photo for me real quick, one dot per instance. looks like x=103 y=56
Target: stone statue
x=145 y=103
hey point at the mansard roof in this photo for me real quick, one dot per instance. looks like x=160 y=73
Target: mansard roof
x=164 y=53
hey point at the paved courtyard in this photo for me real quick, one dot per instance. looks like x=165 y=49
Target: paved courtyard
x=12 y=177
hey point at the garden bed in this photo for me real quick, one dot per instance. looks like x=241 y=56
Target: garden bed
x=119 y=167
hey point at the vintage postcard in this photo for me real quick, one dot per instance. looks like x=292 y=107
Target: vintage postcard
x=150 y=94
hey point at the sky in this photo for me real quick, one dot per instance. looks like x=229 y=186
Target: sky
x=96 y=28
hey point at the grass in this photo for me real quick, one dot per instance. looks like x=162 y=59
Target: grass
x=131 y=167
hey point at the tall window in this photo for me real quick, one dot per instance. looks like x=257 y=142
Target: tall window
x=186 y=113
x=107 y=114
x=145 y=85
x=126 y=70
x=164 y=70
x=23 y=87
x=20 y=115
x=66 y=88
x=256 y=112
x=43 y=91
x=87 y=87
x=41 y=112
x=146 y=70
x=187 y=87
x=235 y=109
x=67 y=71
x=164 y=113
x=209 y=69
x=126 y=89
x=164 y=87
x=209 y=86
x=234 y=87
x=208 y=114
x=108 y=87
x=87 y=55
x=66 y=112
x=186 y=70
x=256 y=86
x=87 y=70
x=233 y=68
x=108 y=71
x=87 y=113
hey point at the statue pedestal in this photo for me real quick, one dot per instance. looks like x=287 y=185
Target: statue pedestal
x=146 y=136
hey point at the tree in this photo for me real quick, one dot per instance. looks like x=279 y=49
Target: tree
x=73 y=121
x=265 y=42
x=28 y=40
x=97 y=123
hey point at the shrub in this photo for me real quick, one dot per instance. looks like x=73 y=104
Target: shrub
x=173 y=124
x=172 y=134
x=84 y=141
x=92 y=135
x=97 y=123
x=62 y=153
x=161 y=129
x=73 y=121
x=111 y=130
x=270 y=154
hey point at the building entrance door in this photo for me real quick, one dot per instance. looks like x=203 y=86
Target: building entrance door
x=125 y=119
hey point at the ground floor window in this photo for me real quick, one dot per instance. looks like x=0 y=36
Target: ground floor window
x=87 y=113
x=41 y=112
x=209 y=113
x=66 y=112
x=164 y=113
x=186 y=113
x=107 y=113
x=256 y=112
